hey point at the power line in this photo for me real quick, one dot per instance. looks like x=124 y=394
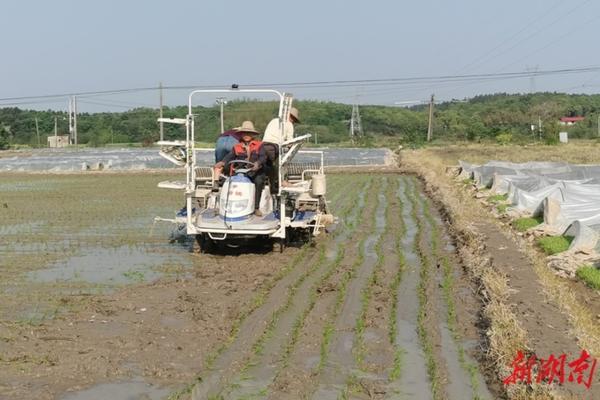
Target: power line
x=333 y=83
x=553 y=41
x=571 y=11
x=480 y=59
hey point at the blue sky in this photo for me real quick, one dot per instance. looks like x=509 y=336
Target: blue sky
x=67 y=46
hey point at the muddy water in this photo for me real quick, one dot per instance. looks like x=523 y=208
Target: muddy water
x=413 y=382
x=116 y=266
x=341 y=363
x=128 y=390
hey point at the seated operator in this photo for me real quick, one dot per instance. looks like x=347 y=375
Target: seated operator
x=272 y=139
x=248 y=149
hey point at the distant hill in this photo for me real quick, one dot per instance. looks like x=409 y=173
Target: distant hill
x=481 y=117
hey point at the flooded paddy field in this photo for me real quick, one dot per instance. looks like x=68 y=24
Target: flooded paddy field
x=95 y=301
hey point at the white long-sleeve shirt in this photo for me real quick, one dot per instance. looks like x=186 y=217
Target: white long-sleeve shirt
x=273 y=134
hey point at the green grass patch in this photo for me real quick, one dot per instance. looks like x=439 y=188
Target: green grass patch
x=497 y=198
x=134 y=275
x=590 y=275
x=522 y=224
x=501 y=207
x=554 y=244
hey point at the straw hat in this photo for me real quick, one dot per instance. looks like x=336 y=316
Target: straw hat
x=247 y=127
x=295 y=114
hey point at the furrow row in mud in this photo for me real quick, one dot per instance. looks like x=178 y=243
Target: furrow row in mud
x=340 y=366
x=231 y=357
x=427 y=321
x=399 y=227
x=409 y=377
x=373 y=348
x=451 y=374
x=464 y=377
x=308 y=354
x=272 y=351
x=370 y=314
x=257 y=328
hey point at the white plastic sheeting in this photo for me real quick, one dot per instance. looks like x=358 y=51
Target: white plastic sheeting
x=567 y=195
x=59 y=160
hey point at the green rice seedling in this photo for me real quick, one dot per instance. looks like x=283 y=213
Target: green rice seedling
x=258 y=346
x=497 y=198
x=422 y=295
x=346 y=277
x=447 y=290
x=554 y=244
x=134 y=275
x=590 y=275
x=366 y=293
x=522 y=224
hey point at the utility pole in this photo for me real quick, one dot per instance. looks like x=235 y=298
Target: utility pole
x=162 y=129
x=37 y=132
x=355 y=123
x=56 y=128
x=533 y=71
x=599 y=125
x=71 y=128
x=75 y=118
x=430 y=125
x=540 y=127
x=221 y=101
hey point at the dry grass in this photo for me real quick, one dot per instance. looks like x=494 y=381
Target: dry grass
x=579 y=152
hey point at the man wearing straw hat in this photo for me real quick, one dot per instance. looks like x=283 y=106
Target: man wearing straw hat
x=272 y=139
x=248 y=149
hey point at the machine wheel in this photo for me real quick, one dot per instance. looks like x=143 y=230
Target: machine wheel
x=204 y=243
x=279 y=245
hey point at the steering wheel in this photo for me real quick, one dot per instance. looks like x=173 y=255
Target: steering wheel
x=238 y=170
x=241 y=161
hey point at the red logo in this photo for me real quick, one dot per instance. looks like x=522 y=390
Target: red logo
x=528 y=369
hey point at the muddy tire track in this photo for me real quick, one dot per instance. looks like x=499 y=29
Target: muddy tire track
x=377 y=346
x=412 y=381
x=340 y=366
x=297 y=377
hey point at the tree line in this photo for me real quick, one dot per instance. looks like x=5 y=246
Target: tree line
x=494 y=116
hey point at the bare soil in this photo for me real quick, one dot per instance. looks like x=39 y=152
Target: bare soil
x=162 y=331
